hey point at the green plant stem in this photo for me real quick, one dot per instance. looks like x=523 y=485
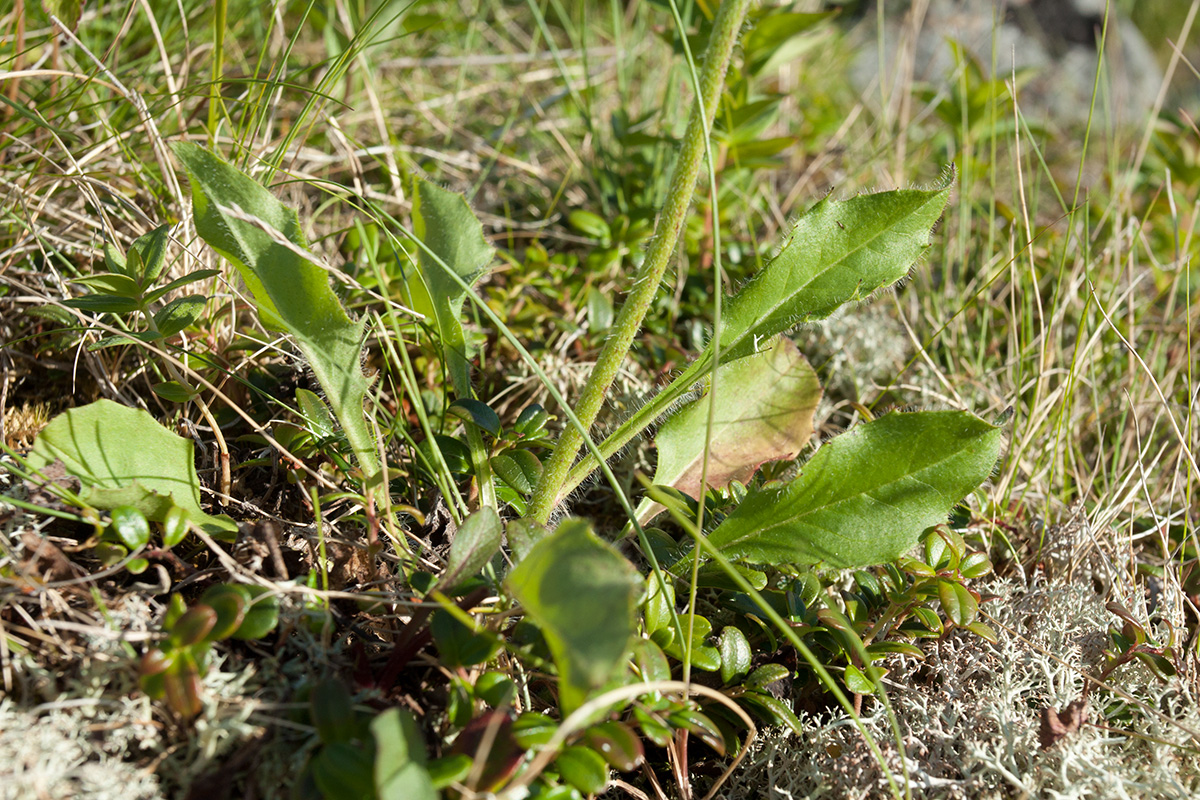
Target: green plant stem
x=460 y=376
x=220 y=19
x=679 y=196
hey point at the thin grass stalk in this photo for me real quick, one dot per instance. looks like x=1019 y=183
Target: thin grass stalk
x=679 y=197
x=220 y=19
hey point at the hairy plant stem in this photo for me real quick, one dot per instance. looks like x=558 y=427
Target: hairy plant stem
x=629 y=321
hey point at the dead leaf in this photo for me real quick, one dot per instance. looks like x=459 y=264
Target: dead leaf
x=1057 y=725
x=763 y=411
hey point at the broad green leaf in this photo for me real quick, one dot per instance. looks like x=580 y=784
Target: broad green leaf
x=714 y=576
x=770 y=33
x=763 y=412
x=699 y=725
x=650 y=661
x=582 y=594
x=400 y=772
x=477 y=540
x=114 y=260
x=455 y=244
x=590 y=224
x=600 y=311
x=448 y=770
x=291 y=292
x=704 y=656
x=765 y=675
x=838 y=252
x=857 y=682
x=653 y=726
x=657 y=614
x=122 y=457
x=975 y=565
x=867 y=495
x=983 y=631
x=133 y=337
x=496 y=689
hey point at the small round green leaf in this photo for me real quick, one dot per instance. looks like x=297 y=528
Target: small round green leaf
x=735 y=654
x=983 y=631
x=699 y=725
x=175 y=526
x=110 y=553
x=590 y=224
x=193 y=627
x=958 y=602
x=520 y=469
x=975 y=565
x=532 y=729
x=476 y=413
x=766 y=675
x=262 y=613
x=653 y=726
x=496 y=689
x=857 y=682
x=650 y=661
x=446 y=770
x=230 y=605
x=617 y=743
x=130 y=526
x=583 y=768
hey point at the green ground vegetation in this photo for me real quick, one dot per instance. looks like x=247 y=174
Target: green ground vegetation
x=415 y=400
